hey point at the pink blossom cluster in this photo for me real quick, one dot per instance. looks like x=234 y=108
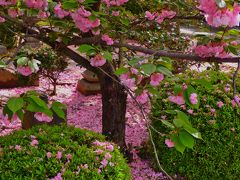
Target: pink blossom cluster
x=42 y=117
x=179 y=100
x=169 y=143
x=193 y=98
x=82 y=20
x=216 y=16
x=37 y=4
x=110 y=3
x=59 y=12
x=143 y=97
x=98 y=60
x=156 y=78
x=107 y=39
x=106 y=145
x=24 y=70
x=2 y=20
x=211 y=50
x=128 y=81
x=159 y=18
x=7 y=2
x=236 y=101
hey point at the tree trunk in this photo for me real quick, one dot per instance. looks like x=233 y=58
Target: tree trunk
x=114 y=100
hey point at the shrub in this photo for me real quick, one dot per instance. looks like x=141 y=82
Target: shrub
x=81 y=154
x=217 y=155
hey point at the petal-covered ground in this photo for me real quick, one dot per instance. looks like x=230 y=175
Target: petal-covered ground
x=85 y=112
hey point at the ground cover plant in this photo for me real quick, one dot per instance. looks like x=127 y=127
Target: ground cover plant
x=217 y=118
x=46 y=152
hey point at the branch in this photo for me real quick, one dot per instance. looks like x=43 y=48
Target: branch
x=157 y=53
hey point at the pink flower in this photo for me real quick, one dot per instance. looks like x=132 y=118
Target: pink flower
x=25 y=70
x=237 y=100
x=98 y=60
x=13 y=13
x=150 y=16
x=156 y=79
x=193 y=98
x=18 y=148
x=213 y=111
x=69 y=156
x=59 y=155
x=220 y=104
x=58 y=177
x=227 y=89
x=115 y=13
x=104 y=162
x=42 y=117
x=142 y=98
x=108 y=156
x=169 y=143
x=211 y=50
x=59 y=12
x=34 y=143
x=110 y=147
x=190 y=111
x=98 y=151
x=107 y=39
x=2 y=20
x=36 y=4
x=49 y=155
x=85 y=166
x=128 y=81
x=177 y=100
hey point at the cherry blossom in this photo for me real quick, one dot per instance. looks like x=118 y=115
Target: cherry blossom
x=169 y=143
x=220 y=104
x=107 y=39
x=42 y=117
x=2 y=20
x=193 y=98
x=156 y=79
x=177 y=99
x=25 y=70
x=59 y=12
x=59 y=155
x=143 y=98
x=98 y=60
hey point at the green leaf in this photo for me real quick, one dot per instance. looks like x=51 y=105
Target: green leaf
x=85 y=48
x=14 y=104
x=177 y=143
x=186 y=139
x=168 y=124
x=58 y=110
x=22 y=61
x=193 y=132
x=69 y=5
x=148 y=68
x=107 y=55
x=164 y=70
x=134 y=61
x=177 y=89
x=7 y=111
x=20 y=114
x=2 y=64
x=39 y=101
x=121 y=70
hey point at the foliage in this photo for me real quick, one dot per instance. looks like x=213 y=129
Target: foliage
x=216 y=156
x=34 y=102
x=24 y=155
